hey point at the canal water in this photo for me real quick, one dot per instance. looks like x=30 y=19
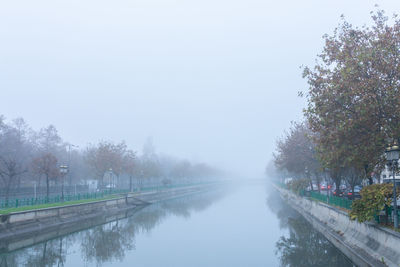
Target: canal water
x=243 y=225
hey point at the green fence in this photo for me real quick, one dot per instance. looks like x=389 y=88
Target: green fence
x=386 y=219
x=19 y=202
x=332 y=200
x=346 y=204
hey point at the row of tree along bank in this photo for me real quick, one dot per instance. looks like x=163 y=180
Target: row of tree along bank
x=31 y=160
x=352 y=114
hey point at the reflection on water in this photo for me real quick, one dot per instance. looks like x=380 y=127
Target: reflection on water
x=207 y=229
x=108 y=242
x=303 y=245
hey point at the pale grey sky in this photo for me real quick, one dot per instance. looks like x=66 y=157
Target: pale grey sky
x=211 y=80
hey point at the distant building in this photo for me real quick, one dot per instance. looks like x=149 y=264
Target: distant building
x=92 y=184
x=387 y=176
x=288 y=180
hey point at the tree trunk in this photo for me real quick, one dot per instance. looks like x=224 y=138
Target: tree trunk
x=47 y=186
x=19 y=183
x=60 y=259
x=8 y=186
x=370 y=181
x=311 y=185
x=352 y=191
x=337 y=185
x=7 y=192
x=44 y=253
x=318 y=182
x=101 y=182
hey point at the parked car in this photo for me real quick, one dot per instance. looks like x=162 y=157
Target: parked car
x=323 y=186
x=349 y=194
x=337 y=193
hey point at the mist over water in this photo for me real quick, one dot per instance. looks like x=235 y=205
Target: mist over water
x=242 y=225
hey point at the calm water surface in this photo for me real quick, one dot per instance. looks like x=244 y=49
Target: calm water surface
x=242 y=226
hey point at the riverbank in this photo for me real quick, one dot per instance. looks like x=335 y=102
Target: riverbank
x=366 y=244
x=25 y=225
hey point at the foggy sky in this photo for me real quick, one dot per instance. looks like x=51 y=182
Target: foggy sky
x=211 y=80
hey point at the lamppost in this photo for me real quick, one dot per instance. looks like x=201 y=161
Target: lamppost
x=69 y=163
x=392 y=156
x=306 y=173
x=141 y=180
x=328 y=185
x=63 y=172
x=110 y=173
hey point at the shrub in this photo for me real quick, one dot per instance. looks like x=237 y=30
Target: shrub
x=374 y=198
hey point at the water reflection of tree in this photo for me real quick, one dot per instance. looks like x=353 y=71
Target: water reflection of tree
x=183 y=207
x=8 y=260
x=48 y=253
x=110 y=241
x=277 y=206
x=304 y=246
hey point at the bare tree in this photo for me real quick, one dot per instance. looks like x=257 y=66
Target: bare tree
x=129 y=165
x=105 y=156
x=13 y=156
x=46 y=165
x=297 y=154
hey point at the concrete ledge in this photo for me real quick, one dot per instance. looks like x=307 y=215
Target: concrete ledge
x=38 y=232
x=366 y=244
x=6 y=220
x=25 y=223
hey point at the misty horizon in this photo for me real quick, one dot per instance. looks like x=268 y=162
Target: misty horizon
x=212 y=82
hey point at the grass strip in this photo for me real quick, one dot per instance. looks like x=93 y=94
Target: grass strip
x=57 y=204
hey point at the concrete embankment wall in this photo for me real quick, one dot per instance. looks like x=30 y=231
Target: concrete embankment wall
x=60 y=229
x=366 y=244
x=20 y=225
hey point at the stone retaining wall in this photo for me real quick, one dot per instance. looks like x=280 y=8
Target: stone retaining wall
x=25 y=223
x=366 y=244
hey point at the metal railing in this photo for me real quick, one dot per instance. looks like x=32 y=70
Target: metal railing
x=386 y=219
x=332 y=200
x=36 y=191
x=346 y=204
x=20 y=202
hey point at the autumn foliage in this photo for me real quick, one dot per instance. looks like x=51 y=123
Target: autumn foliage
x=374 y=198
x=354 y=94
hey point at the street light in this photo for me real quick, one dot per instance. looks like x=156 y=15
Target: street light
x=69 y=163
x=141 y=180
x=110 y=173
x=63 y=172
x=306 y=172
x=392 y=156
